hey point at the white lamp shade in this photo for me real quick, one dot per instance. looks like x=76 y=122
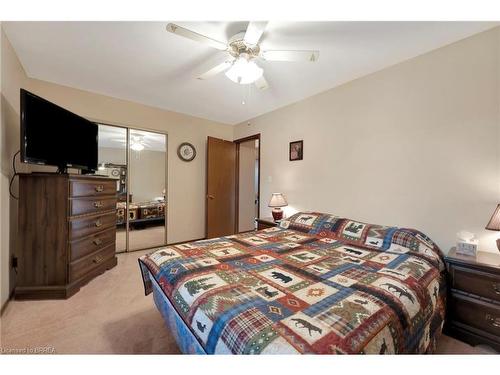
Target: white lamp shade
x=494 y=223
x=278 y=200
x=244 y=72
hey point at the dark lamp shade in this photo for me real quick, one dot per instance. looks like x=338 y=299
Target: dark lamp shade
x=494 y=223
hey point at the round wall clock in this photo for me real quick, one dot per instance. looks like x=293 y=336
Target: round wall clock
x=186 y=151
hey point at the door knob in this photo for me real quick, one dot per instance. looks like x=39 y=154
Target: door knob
x=210 y=196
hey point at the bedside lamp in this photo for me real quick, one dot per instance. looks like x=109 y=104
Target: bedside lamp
x=277 y=201
x=494 y=223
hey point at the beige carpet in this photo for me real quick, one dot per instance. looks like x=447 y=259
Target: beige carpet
x=111 y=315
x=108 y=315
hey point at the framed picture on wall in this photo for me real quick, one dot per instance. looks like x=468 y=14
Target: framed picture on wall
x=296 y=150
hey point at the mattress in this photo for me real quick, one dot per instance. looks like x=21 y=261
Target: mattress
x=318 y=283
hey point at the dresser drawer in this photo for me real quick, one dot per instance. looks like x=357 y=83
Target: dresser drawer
x=92 y=243
x=92 y=224
x=91 y=187
x=477 y=282
x=87 y=205
x=476 y=313
x=82 y=267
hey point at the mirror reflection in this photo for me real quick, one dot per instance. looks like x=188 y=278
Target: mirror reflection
x=147 y=207
x=143 y=177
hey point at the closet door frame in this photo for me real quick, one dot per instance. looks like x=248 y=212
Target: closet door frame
x=129 y=172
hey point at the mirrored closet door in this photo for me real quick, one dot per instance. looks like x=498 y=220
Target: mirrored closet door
x=137 y=160
x=147 y=189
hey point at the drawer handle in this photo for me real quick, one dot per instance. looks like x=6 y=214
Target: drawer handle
x=97 y=241
x=496 y=288
x=99 y=188
x=495 y=322
x=98 y=223
x=97 y=260
x=98 y=204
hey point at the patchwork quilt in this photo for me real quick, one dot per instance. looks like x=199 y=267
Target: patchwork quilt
x=316 y=284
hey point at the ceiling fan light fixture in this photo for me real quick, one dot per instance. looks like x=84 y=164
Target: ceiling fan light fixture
x=244 y=71
x=136 y=146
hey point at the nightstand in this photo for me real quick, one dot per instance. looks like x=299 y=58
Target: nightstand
x=266 y=222
x=473 y=312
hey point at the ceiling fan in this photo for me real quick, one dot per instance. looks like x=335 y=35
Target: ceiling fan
x=241 y=53
x=137 y=142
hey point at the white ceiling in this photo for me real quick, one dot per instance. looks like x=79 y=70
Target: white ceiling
x=141 y=62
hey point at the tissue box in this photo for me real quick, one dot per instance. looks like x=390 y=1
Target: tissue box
x=467 y=248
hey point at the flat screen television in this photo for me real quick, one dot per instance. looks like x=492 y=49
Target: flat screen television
x=52 y=135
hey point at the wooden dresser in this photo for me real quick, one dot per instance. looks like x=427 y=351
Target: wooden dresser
x=67 y=233
x=474 y=298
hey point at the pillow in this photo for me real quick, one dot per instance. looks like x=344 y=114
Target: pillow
x=310 y=222
x=357 y=233
x=362 y=234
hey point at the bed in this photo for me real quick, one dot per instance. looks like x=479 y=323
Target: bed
x=318 y=283
x=141 y=212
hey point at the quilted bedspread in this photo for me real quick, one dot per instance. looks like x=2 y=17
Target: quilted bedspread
x=316 y=284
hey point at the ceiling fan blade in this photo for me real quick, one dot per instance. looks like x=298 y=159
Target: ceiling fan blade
x=261 y=83
x=218 y=64
x=215 y=70
x=311 y=56
x=179 y=30
x=255 y=29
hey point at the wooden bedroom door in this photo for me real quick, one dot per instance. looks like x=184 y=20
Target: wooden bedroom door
x=221 y=188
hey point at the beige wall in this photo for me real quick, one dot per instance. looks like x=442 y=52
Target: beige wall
x=12 y=78
x=186 y=190
x=414 y=145
x=247 y=189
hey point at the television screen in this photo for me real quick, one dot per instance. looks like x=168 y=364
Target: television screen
x=55 y=136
